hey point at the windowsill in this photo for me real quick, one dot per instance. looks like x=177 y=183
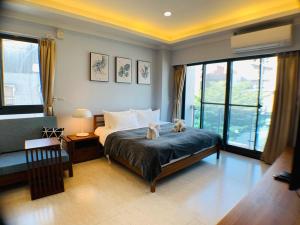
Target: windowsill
x=20 y=116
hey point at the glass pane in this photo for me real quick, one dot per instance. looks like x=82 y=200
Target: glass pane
x=215 y=82
x=245 y=82
x=21 y=77
x=213 y=118
x=242 y=122
x=193 y=95
x=268 y=82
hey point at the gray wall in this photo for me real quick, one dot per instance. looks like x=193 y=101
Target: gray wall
x=164 y=84
x=218 y=47
x=72 y=75
x=72 y=71
x=72 y=80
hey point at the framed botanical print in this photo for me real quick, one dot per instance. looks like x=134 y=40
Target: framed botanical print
x=123 y=70
x=99 y=67
x=143 y=72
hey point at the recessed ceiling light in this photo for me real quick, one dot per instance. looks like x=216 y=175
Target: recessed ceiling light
x=167 y=13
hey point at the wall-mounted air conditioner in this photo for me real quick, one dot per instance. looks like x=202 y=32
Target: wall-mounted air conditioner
x=264 y=39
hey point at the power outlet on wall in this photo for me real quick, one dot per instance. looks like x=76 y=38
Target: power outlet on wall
x=58 y=98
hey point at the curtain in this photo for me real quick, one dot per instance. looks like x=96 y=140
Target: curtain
x=47 y=65
x=285 y=108
x=179 y=78
x=1 y=77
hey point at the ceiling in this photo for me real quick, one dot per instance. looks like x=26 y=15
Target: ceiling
x=190 y=19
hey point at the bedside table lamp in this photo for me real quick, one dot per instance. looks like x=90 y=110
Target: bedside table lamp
x=82 y=113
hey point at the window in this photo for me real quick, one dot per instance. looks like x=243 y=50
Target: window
x=213 y=102
x=233 y=98
x=252 y=92
x=193 y=95
x=9 y=94
x=243 y=101
x=20 y=77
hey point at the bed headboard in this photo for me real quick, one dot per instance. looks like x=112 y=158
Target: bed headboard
x=98 y=121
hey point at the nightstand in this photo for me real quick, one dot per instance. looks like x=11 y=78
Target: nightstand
x=84 y=148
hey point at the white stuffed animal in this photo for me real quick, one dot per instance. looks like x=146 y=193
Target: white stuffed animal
x=153 y=131
x=179 y=126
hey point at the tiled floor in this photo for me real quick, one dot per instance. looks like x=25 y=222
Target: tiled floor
x=100 y=193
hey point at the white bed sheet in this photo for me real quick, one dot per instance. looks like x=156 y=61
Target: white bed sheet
x=103 y=132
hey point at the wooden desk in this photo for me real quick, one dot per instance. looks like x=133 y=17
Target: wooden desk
x=40 y=143
x=270 y=202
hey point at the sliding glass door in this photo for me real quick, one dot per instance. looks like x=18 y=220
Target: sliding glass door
x=244 y=104
x=251 y=101
x=266 y=97
x=213 y=102
x=201 y=97
x=193 y=96
x=233 y=98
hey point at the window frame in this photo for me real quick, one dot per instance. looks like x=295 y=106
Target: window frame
x=16 y=109
x=230 y=148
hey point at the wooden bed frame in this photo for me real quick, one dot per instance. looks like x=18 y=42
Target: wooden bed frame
x=170 y=168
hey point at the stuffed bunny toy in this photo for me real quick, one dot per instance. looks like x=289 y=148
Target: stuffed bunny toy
x=179 y=126
x=153 y=131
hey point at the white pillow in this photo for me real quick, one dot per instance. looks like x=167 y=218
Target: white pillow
x=145 y=117
x=141 y=114
x=140 y=110
x=120 y=120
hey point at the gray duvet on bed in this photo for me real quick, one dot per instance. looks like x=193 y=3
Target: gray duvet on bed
x=150 y=155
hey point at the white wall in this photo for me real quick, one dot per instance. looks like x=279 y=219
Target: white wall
x=72 y=75
x=219 y=48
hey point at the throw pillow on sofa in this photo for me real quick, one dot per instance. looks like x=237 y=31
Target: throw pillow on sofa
x=52 y=132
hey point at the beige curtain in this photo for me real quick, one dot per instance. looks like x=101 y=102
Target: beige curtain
x=285 y=109
x=1 y=75
x=47 y=65
x=179 y=78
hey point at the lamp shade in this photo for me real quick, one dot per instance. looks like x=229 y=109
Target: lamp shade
x=82 y=113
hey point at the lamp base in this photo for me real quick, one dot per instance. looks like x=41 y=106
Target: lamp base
x=82 y=134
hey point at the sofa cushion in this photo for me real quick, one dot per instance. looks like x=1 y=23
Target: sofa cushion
x=14 y=132
x=14 y=162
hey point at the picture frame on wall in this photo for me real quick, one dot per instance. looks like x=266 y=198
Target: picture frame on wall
x=99 y=67
x=143 y=72
x=123 y=70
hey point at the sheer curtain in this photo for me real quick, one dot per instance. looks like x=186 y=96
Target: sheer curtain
x=47 y=65
x=286 y=107
x=179 y=78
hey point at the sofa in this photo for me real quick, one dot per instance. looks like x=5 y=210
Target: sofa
x=13 y=133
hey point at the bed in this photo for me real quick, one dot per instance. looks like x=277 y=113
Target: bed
x=156 y=159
